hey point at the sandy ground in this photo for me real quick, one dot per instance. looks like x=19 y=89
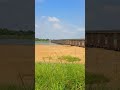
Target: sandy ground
x=20 y=59
x=43 y=52
x=16 y=61
x=97 y=60
x=105 y=62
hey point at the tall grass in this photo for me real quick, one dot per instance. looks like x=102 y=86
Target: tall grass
x=59 y=76
x=69 y=58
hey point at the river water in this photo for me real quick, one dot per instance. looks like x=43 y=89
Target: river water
x=18 y=41
x=44 y=43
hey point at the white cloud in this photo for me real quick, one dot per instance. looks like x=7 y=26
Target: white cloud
x=81 y=29
x=36 y=26
x=53 y=19
x=54 y=28
x=57 y=26
x=43 y=17
x=55 y=22
x=68 y=32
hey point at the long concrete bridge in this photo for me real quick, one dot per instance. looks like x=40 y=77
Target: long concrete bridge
x=109 y=39
x=72 y=42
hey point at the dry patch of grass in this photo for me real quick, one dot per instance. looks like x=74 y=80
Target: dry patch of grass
x=69 y=58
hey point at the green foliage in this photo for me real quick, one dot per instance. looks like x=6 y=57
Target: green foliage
x=56 y=76
x=5 y=31
x=51 y=76
x=37 y=39
x=14 y=34
x=69 y=58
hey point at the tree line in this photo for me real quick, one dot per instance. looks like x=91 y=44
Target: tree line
x=5 y=31
x=14 y=34
x=37 y=39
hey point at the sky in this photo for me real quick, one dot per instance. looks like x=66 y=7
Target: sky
x=60 y=19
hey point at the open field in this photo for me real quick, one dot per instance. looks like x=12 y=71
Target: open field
x=53 y=70
x=51 y=53
x=62 y=67
x=105 y=62
x=101 y=62
x=16 y=61
x=61 y=76
x=52 y=76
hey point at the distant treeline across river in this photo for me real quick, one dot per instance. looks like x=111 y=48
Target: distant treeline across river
x=37 y=39
x=44 y=43
x=16 y=34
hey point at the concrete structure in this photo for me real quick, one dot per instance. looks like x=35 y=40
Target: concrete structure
x=109 y=39
x=103 y=39
x=72 y=42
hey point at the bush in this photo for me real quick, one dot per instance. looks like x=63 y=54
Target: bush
x=69 y=58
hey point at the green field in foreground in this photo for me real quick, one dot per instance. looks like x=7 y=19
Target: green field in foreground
x=51 y=76
x=59 y=76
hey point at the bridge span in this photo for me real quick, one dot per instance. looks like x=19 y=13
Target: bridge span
x=108 y=39
x=72 y=42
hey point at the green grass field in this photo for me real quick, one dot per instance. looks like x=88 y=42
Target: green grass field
x=59 y=76
x=54 y=76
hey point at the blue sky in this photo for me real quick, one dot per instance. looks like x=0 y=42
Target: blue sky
x=60 y=19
